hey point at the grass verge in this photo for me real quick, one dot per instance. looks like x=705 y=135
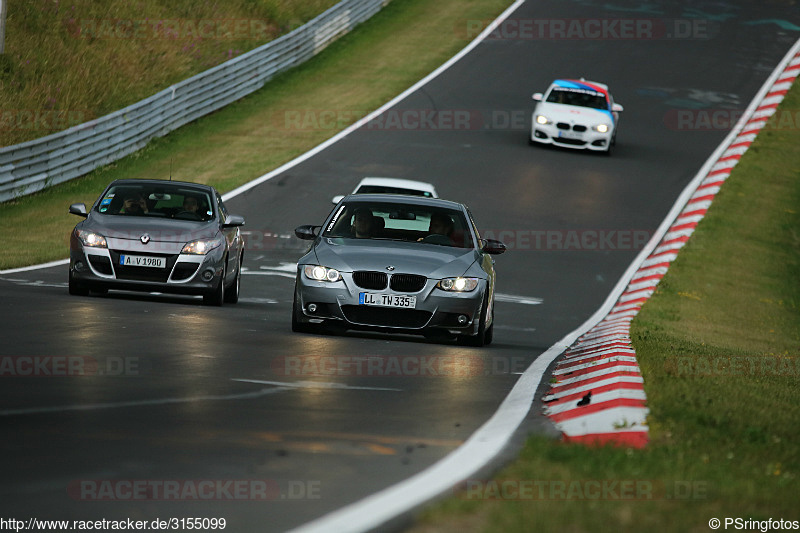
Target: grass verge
x=55 y=70
x=360 y=72
x=719 y=348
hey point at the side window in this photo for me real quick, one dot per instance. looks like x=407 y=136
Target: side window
x=223 y=211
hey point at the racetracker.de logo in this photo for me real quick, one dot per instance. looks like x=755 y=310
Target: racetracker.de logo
x=43 y=120
x=389 y=120
x=172 y=29
x=379 y=365
x=726 y=119
x=192 y=490
x=591 y=29
x=542 y=240
x=582 y=489
x=46 y=366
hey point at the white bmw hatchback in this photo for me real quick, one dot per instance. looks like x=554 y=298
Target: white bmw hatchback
x=576 y=114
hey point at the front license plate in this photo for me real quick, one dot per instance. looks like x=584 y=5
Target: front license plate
x=142 y=261
x=570 y=135
x=387 y=300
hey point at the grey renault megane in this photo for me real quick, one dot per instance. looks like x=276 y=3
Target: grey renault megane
x=397 y=263
x=157 y=235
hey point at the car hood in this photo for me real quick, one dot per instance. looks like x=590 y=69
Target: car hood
x=432 y=261
x=572 y=114
x=159 y=229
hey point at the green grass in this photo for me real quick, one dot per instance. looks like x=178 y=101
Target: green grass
x=358 y=73
x=719 y=349
x=70 y=62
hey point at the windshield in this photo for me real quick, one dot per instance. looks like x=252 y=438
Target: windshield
x=578 y=97
x=405 y=222
x=157 y=200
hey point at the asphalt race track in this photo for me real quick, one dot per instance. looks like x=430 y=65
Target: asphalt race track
x=206 y=397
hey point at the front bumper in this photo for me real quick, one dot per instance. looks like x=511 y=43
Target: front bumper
x=101 y=268
x=586 y=140
x=338 y=303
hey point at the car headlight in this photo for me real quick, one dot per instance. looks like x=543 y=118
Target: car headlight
x=541 y=119
x=458 y=284
x=321 y=273
x=91 y=240
x=602 y=128
x=201 y=246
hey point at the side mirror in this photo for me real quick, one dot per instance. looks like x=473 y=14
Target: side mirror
x=493 y=247
x=78 y=209
x=538 y=96
x=306 y=232
x=233 y=221
x=337 y=199
x=617 y=108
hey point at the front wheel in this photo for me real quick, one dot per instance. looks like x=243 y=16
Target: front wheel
x=217 y=296
x=75 y=288
x=484 y=335
x=232 y=295
x=297 y=326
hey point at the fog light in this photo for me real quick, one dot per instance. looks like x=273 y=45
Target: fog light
x=463 y=319
x=207 y=275
x=79 y=265
x=312 y=308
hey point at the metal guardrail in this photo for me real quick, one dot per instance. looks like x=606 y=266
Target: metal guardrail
x=35 y=165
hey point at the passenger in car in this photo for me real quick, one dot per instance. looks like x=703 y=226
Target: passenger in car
x=134 y=205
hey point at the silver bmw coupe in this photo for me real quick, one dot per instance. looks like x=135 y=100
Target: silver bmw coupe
x=399 y=264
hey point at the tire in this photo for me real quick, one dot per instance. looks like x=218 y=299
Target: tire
x=217 y=296
x=75 y=288
x=297 y=326
x=232 y=295
x=484 y=335
x=489 y=335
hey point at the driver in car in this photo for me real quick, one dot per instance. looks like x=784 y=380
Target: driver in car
x=190 y=204
x=363 y=223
